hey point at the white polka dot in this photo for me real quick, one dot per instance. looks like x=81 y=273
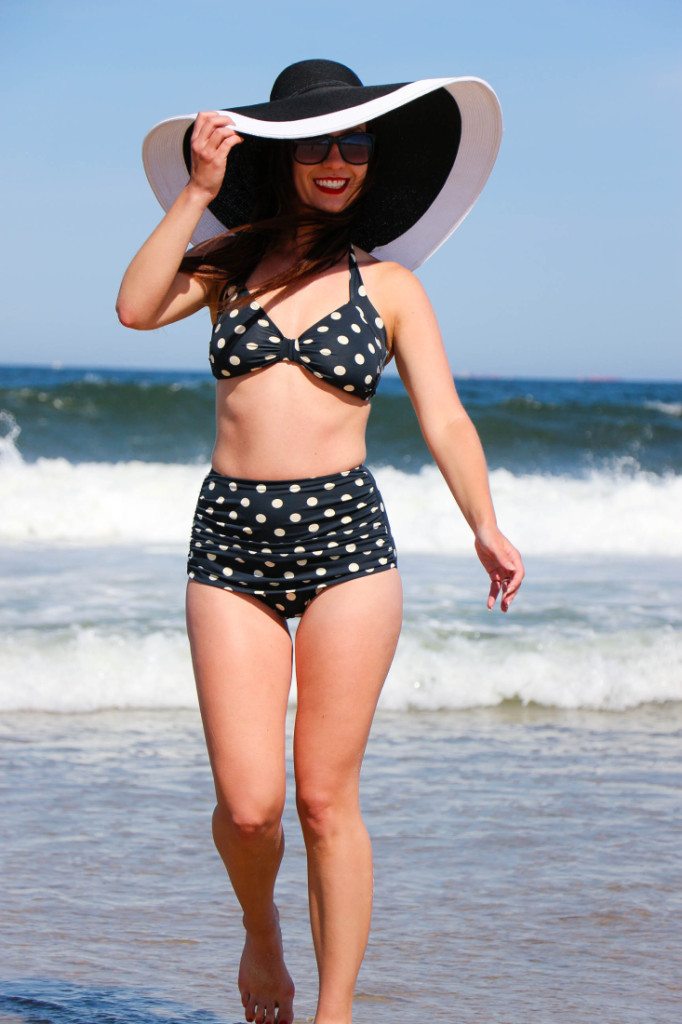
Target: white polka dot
x=274 y=338
x=263 y=323
x=280 y=607
x=220 y=343
x=279 y=532
x=277 y=502
x=380 y=542
x=321 y=572
x=267 y=357
x=347 y=519
x=336 y=315
x=349 y=387
x=289 y=575
x=322 y=329
x=291 y=596
x=311 y=501
x=362 y=290
x=252 y=346
x=233 y=515
x=254 y=305
x=342 y=339
x=346 y=497
x=314 y=527
x=361 y=504
x=359 y=358
x=299 y=549
x=260 y=518
x=211 y=486
x=383 y=561
x=325 y=351
x=353 y=566
x=239 y=329
x=258 y=572
x=295 y=487
x=339 y=370
x=329 y=512
x=332 y=544
x=261 y=488
x=227 y=571
x=295 y=517
x=212 y=577
x=235 y=360
x=225 y=373
x=270 y=565
x=379 y=322
x=350 y=547
x=234 y=312
x=356 y=328
x=329 y=486
x=211 y=557
x=368 y=378
x=301 y=561
x=370 y=347
x=245 y=502
x=305 y=359
x=247 y=529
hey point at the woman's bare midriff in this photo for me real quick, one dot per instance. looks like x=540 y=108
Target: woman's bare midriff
x=280 y=423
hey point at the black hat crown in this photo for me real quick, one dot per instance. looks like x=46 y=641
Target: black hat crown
x=306 y=75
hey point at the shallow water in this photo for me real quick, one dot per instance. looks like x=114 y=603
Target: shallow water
x=526 y=863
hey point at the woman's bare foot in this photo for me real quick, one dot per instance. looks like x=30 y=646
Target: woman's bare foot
x=265 y=985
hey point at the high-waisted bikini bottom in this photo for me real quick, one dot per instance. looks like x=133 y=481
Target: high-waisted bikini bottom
x=284 y=541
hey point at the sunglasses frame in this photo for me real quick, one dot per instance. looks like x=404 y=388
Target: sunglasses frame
x=341 y=141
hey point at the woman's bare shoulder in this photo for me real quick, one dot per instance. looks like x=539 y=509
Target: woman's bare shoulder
x=390 y=283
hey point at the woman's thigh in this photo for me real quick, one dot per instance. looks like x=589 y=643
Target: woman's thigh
x=345 y=644
x=242 y=658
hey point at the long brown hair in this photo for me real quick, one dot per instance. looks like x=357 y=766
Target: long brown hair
x=232 y=257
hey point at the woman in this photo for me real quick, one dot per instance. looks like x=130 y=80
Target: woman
x=289 y=520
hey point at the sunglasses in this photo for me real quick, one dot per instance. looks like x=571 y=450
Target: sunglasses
x=355 y=148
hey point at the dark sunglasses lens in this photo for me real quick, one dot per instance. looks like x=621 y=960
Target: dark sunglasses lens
x=355 y=153
x=311 y=151
x=356 y=149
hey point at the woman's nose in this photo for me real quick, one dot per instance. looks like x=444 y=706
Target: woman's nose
x=334 y=155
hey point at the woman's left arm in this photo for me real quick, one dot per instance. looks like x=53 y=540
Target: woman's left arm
x=448 y=431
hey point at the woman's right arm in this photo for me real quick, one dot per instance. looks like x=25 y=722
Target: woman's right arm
x=153 y=291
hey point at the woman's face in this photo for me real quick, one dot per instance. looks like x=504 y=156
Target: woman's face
x=332 y=184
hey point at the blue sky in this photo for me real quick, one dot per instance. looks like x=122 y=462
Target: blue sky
x=569 y=265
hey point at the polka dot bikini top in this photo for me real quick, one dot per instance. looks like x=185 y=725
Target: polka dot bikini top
x=347 y=347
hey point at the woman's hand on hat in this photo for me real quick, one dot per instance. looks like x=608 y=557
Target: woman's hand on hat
x=502 y=562
x=213 y=137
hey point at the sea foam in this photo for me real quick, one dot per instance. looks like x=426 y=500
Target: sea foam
x=89 y=668
x=607 y=512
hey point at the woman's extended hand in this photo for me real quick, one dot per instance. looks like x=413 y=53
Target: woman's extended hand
x=502 y=562
x=212 y=139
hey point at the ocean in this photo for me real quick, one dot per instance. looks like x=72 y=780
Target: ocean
x=522 y=780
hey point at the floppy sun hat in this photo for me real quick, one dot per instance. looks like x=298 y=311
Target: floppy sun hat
x=436 y=142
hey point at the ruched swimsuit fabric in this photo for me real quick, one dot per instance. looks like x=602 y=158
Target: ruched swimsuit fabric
x=346 y=348
x=284 y=541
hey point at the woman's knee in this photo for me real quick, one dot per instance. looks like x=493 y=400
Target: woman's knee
x=247 y=819
x=325 y=811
